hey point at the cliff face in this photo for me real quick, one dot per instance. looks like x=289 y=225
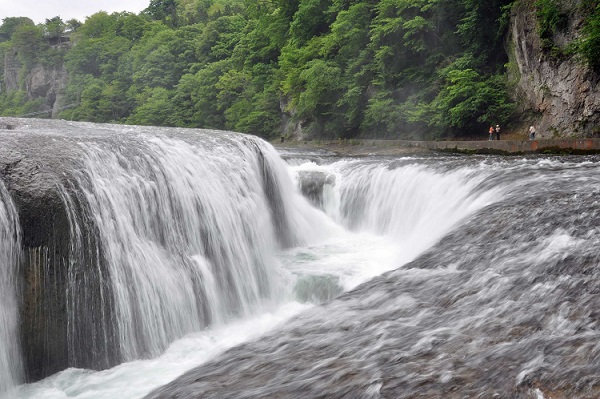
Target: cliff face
x=47 y=83
x=12 y=66
x=562 y=93
x=40 y=82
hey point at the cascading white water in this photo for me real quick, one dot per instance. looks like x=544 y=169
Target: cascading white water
x=10 y=360
x=413 y=204
x=188 y=233
x=506 y=305
x=397 y=212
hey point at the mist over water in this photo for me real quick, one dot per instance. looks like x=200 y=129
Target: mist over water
x=320 y=276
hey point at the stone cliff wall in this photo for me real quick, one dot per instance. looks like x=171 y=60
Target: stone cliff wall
x=47 y=83
x=12 y=66
x=40 y=82
x=562 y=93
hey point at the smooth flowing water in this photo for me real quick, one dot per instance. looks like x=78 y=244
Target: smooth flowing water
x=324 y=277
x=505 y=305
x=10 y=358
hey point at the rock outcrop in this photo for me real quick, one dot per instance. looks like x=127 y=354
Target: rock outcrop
x=35 y=160
x=41 y=81
x=12 y=65
x=30 y=168
x=561 y=93
x=47 y=83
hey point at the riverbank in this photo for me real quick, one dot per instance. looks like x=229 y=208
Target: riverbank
x=356 y=147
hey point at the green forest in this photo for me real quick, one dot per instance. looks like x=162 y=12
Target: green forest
x=334 y=68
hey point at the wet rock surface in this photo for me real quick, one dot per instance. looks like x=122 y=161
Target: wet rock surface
x=33 y=161
x=312 y=183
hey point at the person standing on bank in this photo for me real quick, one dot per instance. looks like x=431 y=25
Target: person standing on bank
x=491 y=133
x=497 y=132
x=531 y=132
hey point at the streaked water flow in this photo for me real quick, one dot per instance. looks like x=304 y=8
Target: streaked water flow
x=174 y=219
x=188 y=235
x=10 y=360
x=203 y=246
x=503 y=306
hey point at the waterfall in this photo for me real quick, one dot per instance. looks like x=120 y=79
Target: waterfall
x=10 y=360
x=190 y=258
x=183 y=236
x=413 y=203
x=505 y=304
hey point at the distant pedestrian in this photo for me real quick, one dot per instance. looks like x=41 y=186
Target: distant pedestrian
x=497 y=132
x=531 y=132
x=491 y=133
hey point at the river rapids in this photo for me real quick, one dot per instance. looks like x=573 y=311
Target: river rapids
x=215 y=266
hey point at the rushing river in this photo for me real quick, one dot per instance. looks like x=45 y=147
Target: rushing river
x=227 y=274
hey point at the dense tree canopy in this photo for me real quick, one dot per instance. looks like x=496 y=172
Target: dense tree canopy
x=337 y=68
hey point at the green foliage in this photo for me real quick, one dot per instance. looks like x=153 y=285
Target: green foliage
x=383 y=115
x=220 y=37
x=132 y=27
x=72 y=25
x=10 y=25
x=340 y=68
x=155 y=108
x=589 y=45
x=98 y=25
x=163 y=10
x=551 y=18
x=312 y=19
x=54 y=28
x=469 y=99
x=28 y=41
x=16 y=103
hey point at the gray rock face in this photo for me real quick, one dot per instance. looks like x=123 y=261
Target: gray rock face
x=47 y=83
x=30 y=167
x=564 y=93
x=312 y=183
x=11 y=71
x=40 y=82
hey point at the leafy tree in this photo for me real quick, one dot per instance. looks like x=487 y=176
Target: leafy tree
x=131 y=26
x=589 y=46
x=98 y=25
x=72 y=25
x=219 y=38
x=98 y=57
x=155 y=108
x=10 y=25
x=193 y=11
x=312 y=19
x=551 y=18
x=199 y=92
x=28 y=41
x=340 y=68
x=163 y=10
x=54 y=28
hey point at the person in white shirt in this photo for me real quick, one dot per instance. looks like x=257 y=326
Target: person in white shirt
x=531 y=132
